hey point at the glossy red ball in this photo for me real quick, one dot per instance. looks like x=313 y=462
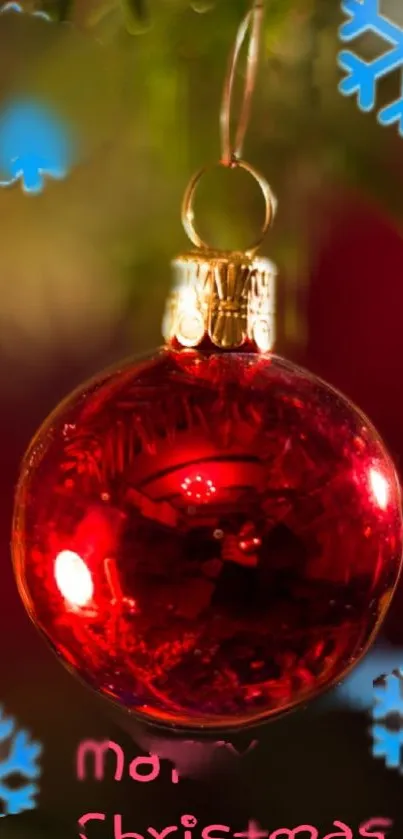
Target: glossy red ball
x=208 y=539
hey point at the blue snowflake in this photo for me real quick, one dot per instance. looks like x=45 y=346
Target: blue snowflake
x=388 y=702
x=34 y=143
x=362 y=76
x=388 y=698
x=18 y=757
x=388 y=745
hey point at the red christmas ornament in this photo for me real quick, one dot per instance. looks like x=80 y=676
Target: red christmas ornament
x=210 y=536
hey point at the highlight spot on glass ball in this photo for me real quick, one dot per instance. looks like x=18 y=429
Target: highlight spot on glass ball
x=199 y=489
x=380 y=488
x=249 y=542
x=73 y=579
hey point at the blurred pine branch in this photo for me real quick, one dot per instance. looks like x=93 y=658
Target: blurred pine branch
x=146 y=97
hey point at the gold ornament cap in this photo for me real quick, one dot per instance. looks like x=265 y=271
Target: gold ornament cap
x=228 y=298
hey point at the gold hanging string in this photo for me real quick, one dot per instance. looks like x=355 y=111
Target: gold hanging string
x=231 y=156
x=252 y=23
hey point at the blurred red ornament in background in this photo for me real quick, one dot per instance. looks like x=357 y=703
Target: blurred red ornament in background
x=208 y=539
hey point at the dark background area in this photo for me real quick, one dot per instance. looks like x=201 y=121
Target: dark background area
x=85 y=270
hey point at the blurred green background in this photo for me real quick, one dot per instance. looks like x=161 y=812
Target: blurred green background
x=140 y=82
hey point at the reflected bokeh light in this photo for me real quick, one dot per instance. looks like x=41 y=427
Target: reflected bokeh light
x=73 y=579
x=198 y=489
x=380 y=488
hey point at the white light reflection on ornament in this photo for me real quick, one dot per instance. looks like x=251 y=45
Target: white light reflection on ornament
x=380 y=488
x=199 y=489
x=73 y=578
x=190 y=326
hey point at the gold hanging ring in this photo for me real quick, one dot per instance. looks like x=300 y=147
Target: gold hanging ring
x=188 y=215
